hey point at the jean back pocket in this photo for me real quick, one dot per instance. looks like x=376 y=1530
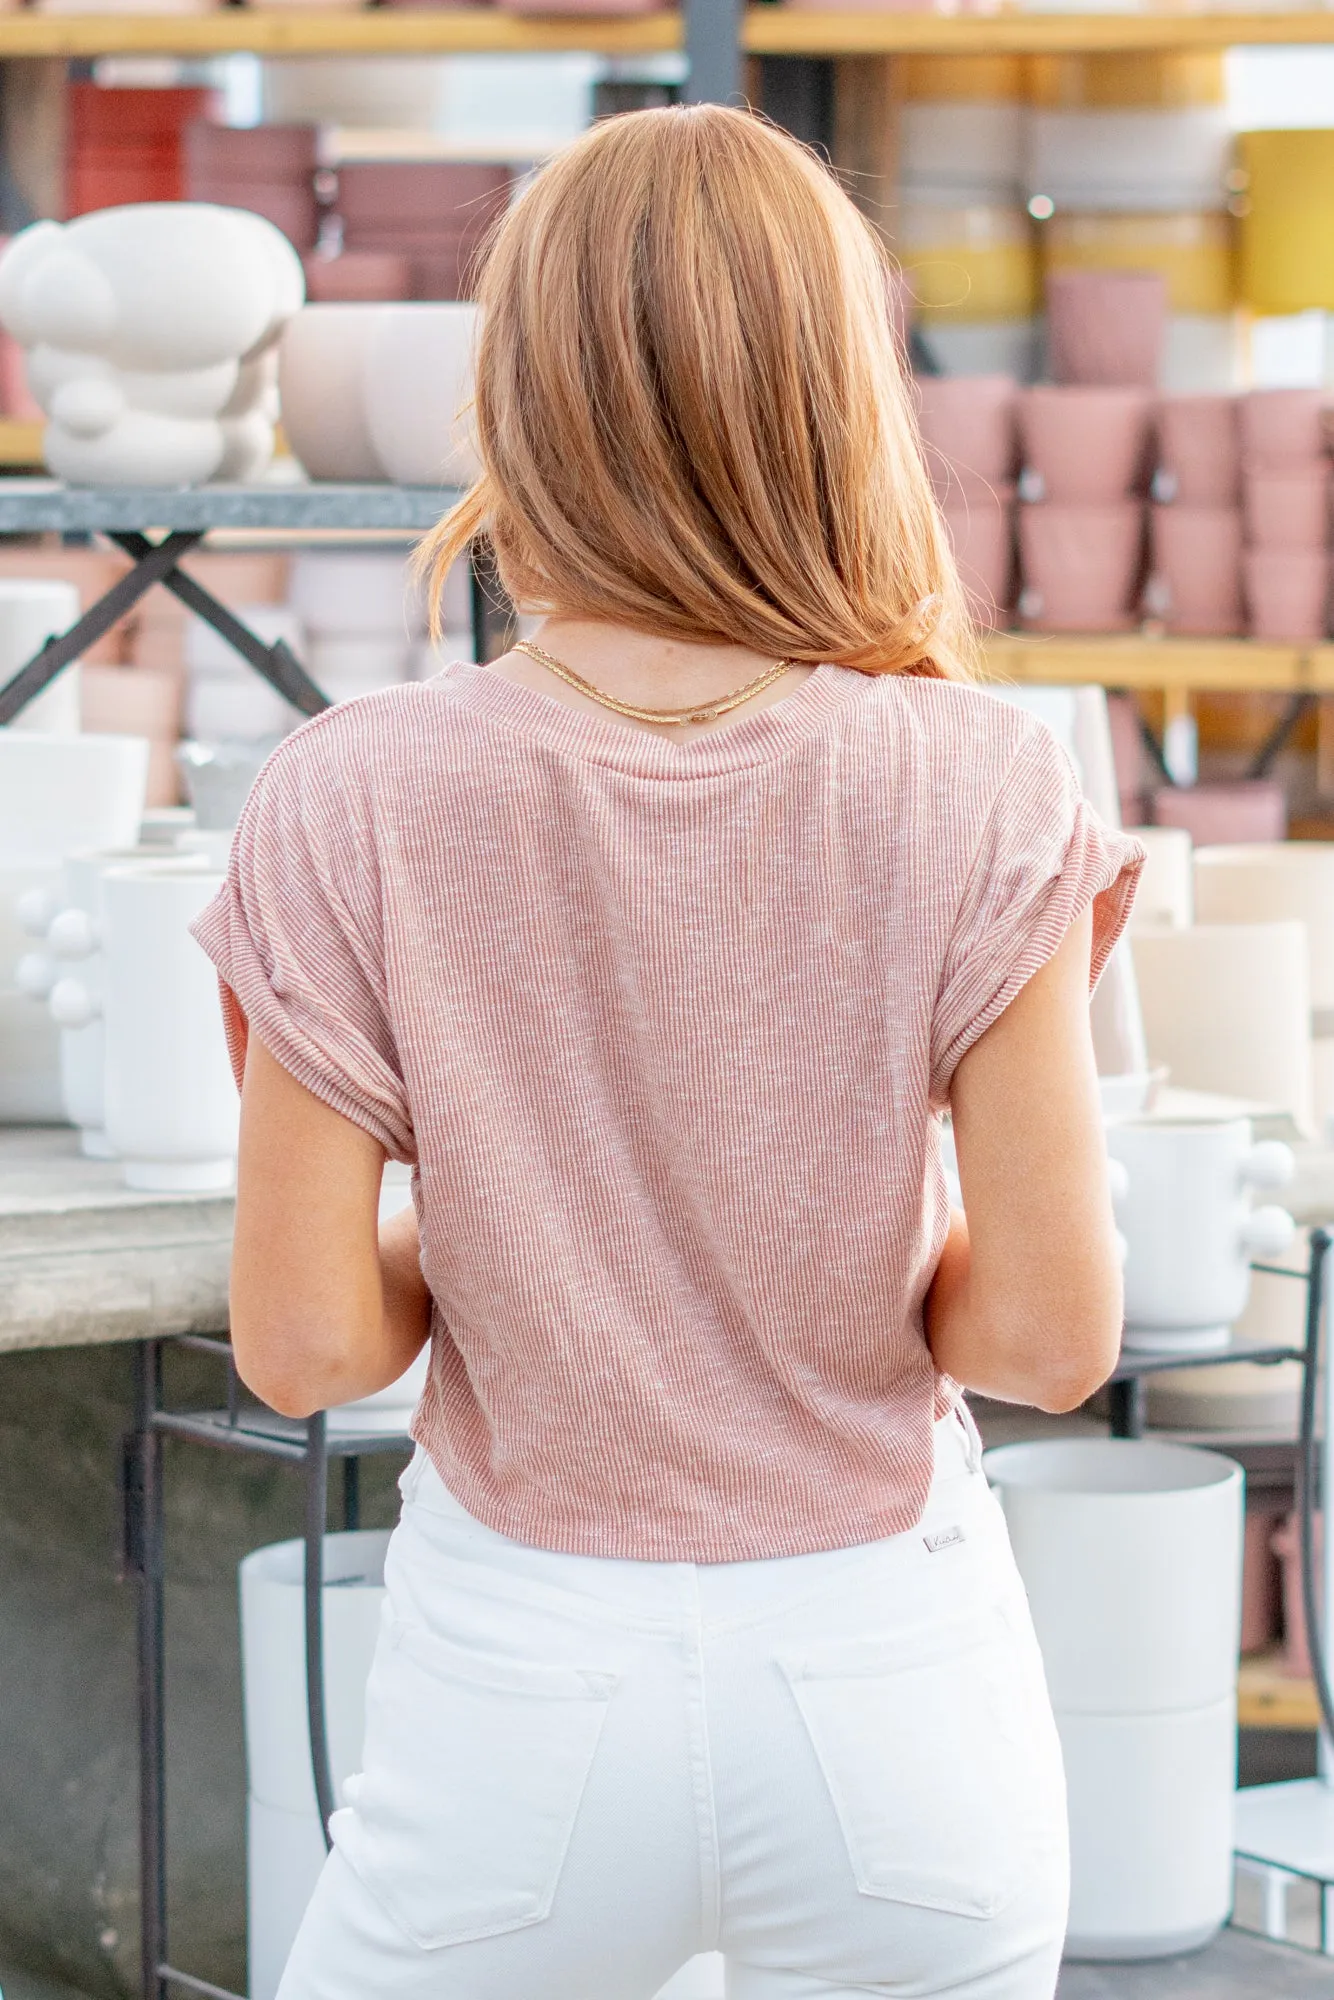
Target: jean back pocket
x=933 y=1752
x=474 y=1769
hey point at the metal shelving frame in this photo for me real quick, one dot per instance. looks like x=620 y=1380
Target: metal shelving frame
x=240 y=1425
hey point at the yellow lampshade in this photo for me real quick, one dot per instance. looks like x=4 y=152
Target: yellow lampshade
x=1287 y=229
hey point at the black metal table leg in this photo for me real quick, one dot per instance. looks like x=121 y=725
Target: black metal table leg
x=154 y=566
x=317 y=1503
x=351 y=1495
x=144 y=1562
x=1128 y=1405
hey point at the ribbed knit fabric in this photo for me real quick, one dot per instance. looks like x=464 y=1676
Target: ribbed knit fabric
x=665 y=1028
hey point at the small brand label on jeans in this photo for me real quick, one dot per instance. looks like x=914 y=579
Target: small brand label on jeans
x=943 y=1538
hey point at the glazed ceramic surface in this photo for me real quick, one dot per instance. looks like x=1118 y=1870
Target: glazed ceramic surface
x=321 y=370
x=1189 y=1216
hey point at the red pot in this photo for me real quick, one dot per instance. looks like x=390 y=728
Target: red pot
x=968 y=426
x=1253 y=809
x=1287 y=510
x=1282 y=427
x=1199 y=449
x=1086 y=446
x=1081 y=566
x=1196 y=565
x=1106 y=327
x=1287 y=593
x=981 y=525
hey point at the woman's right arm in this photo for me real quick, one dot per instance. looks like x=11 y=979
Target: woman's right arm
x=1026 y=1302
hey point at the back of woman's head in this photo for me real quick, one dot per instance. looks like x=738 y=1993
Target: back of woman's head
x=690 y=406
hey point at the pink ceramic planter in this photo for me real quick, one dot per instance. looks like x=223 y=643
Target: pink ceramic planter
x=357 y=277
x=431 y=195
x=1253 y=809
x=1287 y=593
x=981 y=526
x=1287 y=510
x=1196 y=565
x=1282 y=427
x=254 y=152
x=1081 y=566
x=968 y=427
x=1086 y=447
x=1199 y=450
x=1106 y=327
x=289 y=206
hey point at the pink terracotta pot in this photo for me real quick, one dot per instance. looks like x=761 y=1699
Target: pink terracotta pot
x=420 y=194
x=1081 y=566
x=131 y=701
x=981 y=526
x=1106 y=327
x=968 y=427
x=251 y=152
x=1281 y=427
x=1084 y=447
x=1287 y=593
x=1199 y=450
x=1253 y=809
x=1196 y=570
x=357 y=276
x=1287 y=510
x=289 y=206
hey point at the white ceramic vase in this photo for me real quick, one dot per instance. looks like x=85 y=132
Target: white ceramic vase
x=1192 y=1227
x=418 y=382
x=33 y=610
x=321 y=370
x=62 y=792
x=171 y=1101
x=1165 y=900
x=1130 y=1551
x=1227 y=1008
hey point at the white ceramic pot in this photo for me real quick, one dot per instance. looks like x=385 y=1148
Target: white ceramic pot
x=321 y=369
x=227 y=710
x=171 y=1101
x=418 y=382
x=1227 y=1008
x=1130 y=1551
x=352 y=593
x=1151 y=1807
x=1191 y=1227
x=284 y=1856
x=30 y=1091
x=63 y=792
x=33 y=610
x=1165 y=900
x=345 y=667
x=1265 y=881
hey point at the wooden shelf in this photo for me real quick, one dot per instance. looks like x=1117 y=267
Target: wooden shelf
x=301 y=31
x=1267 y=1698
x=767 y=31
x=789 y=31
x=1204 y=665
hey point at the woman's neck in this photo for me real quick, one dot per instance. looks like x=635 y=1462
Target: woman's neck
x=634 y=667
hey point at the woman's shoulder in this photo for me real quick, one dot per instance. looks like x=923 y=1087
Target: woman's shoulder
x=965 y=728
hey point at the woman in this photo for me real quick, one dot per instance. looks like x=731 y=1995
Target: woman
x=659 y=948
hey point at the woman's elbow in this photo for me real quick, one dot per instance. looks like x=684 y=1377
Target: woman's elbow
x=1075 y=1365
x=294 y=1371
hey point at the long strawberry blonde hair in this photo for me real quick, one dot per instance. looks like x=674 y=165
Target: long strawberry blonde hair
x=691 y=409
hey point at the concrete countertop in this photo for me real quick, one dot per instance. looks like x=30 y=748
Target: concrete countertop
x=84 y=1260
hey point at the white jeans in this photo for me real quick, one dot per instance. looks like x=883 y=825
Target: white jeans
x=838 y=1769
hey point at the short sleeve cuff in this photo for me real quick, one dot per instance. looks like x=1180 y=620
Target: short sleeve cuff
x=1099 y=868
x=322 y=1053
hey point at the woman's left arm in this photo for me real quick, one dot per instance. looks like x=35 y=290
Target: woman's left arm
x=326 y=1304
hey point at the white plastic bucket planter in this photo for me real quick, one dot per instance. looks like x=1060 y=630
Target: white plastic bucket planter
x=286 y=1849
x=171 y=1101
x=1131 y=1553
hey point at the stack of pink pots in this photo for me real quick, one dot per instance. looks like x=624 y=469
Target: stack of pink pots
x=968 y=431
x=435 y=214
x=1286 y=513
x=1086 y=458
x=267 y=168
x=1197 y=526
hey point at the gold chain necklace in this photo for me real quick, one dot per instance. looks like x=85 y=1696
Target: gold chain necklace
x=701 y=712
